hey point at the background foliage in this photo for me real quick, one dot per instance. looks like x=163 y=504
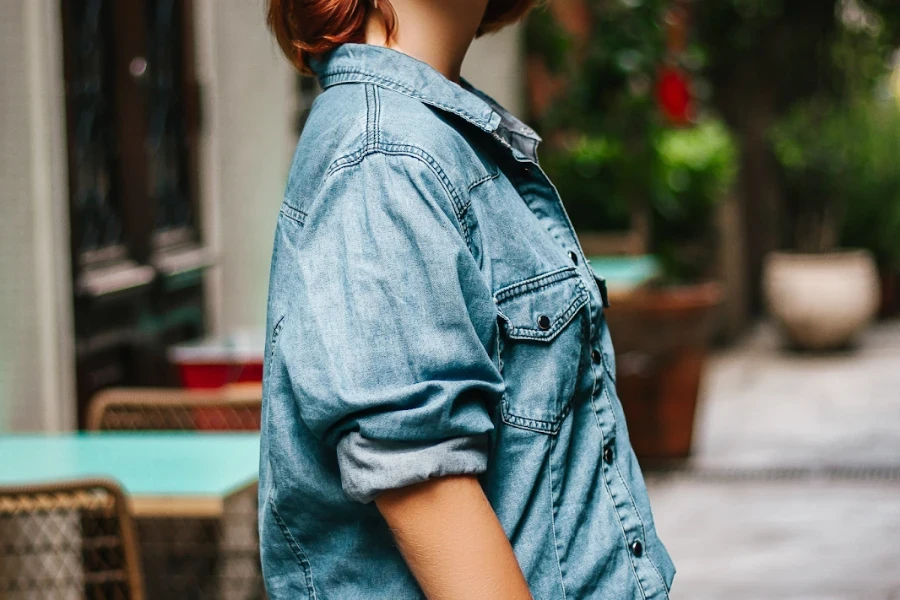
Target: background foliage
x=801 y=86
x=609 y=150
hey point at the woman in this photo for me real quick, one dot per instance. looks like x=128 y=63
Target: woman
x=440 y=413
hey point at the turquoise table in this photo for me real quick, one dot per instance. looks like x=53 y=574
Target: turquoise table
x=163 y=474
x=624 y=274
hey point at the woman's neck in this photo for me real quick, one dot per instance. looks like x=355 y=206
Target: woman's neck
x=436 y=32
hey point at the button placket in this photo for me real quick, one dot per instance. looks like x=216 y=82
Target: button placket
x=630 y=520
x=649 y=577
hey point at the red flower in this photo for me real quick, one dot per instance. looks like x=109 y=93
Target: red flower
x=673 y=92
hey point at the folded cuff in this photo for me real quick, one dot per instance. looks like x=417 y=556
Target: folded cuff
x=369 y=467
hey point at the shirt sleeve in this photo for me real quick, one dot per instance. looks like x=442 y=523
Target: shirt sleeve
x=390 y=350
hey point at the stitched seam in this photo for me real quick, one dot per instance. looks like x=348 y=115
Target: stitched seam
x=536 y=425
x=294 y=214
x=338 y=76
x=459 y=208
x=370 y=116
x=633 y=505
x=559 y=323
x=483 y=179
x=500 y=347
x=562 y=583
x=461 y=217
x=603 y=442
x=608 y=491
x=535 y=283
x=377 y=98
x=275 y=331
x=295 y=549
x=349 y=160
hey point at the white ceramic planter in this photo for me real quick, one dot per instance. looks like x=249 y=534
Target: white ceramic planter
x=822 y=301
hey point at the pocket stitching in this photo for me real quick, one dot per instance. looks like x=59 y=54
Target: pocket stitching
x=530 y=333
x=536 y=425
x=532 y=285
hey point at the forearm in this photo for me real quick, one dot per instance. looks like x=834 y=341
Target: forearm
x=452 y=541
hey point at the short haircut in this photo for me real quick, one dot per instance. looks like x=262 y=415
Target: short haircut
x=305 y=28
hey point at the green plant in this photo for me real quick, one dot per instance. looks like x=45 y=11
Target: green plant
x=841 y=174
x=812 y=143
x=587 y=172
x=697 y=168
x=764 y=58
x=871 y=191
x=600 y=126
x=608 y=150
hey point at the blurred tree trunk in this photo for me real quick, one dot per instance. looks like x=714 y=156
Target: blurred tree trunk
x=763 y=57
x=748 y=103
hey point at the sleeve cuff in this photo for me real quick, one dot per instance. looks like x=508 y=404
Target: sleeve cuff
x=369 y=467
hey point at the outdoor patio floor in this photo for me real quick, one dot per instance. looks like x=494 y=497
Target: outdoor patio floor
x=794 y=489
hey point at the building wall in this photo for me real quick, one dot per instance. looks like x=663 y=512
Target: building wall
x=495 y=65
x=36 y=341
x=247 y=142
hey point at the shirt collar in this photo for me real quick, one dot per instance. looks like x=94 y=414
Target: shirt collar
x=388 y=68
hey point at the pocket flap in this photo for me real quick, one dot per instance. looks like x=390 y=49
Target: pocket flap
x=538 y=308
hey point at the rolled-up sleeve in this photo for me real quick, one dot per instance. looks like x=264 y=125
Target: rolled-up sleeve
x=390 y=328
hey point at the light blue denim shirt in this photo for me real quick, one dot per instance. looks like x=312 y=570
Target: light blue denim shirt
x=431 y=313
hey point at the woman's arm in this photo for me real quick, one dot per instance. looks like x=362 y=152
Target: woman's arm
x=452 y=541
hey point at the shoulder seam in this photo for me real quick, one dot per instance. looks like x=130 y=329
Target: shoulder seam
x=460 y=206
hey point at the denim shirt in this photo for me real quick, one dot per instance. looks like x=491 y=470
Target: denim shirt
x=431 y=313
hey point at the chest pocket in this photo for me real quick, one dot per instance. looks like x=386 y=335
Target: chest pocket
x=541 y=340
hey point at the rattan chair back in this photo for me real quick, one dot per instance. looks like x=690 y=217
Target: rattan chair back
x=231 y=408
x=67 y=540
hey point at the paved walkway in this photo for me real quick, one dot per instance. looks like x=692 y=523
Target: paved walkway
x=795 y=486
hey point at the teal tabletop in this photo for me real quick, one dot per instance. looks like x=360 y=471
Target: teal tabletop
x=624 y=273
x=157 y=466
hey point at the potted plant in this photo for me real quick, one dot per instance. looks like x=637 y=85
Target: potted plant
x=591 y=67
x=662 y=331
x=823 y=294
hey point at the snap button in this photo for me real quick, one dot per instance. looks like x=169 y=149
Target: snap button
x=637 y=548
x=596 y=356
x=608 y=456
x=544 y=322
x=573 y=257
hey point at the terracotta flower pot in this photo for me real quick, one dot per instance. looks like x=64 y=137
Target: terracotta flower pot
x=822 y=301
x=661 y=338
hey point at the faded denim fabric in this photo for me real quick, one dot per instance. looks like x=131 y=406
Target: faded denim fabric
x=432 y=313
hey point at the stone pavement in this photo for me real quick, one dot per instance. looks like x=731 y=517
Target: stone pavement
x=794 y=489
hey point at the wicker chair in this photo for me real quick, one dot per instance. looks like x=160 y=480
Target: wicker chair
x=231 y=408
x=183 y=557
x=68 y=540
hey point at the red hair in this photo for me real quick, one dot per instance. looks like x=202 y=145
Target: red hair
x=305 y=28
